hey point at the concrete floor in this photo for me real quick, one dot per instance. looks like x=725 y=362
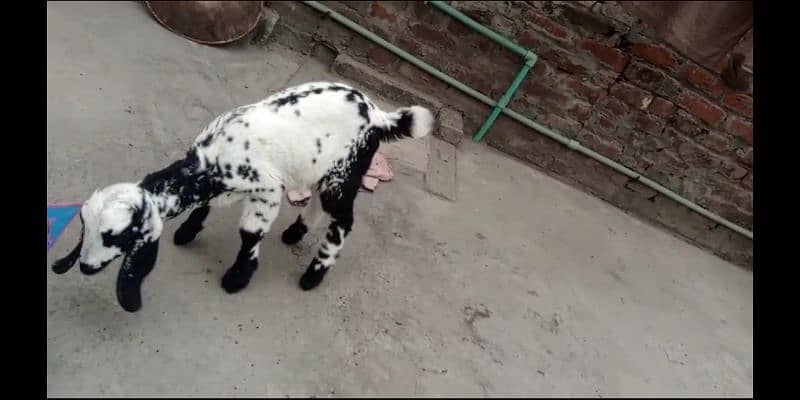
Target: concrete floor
x=523 y=286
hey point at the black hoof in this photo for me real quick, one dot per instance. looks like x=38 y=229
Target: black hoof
x=130 y=301
x=294 y=233
x=312 y=278
x=237 y=278
x=184 y=235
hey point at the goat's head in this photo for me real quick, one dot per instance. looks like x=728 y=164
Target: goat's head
x=119 y=219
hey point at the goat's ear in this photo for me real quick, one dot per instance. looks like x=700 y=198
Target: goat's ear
x=135 y=267
x=64 y=264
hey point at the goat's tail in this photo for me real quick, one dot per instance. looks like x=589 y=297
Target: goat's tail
x=414 y=122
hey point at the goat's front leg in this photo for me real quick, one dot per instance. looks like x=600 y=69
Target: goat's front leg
x=257 y=217
x=340 y=209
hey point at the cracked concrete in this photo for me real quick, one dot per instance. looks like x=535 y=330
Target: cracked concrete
x=523 y=286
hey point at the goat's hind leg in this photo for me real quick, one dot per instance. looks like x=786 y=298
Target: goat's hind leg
x=340 y=209
x=260 y=211
x=307 y=217
x=192 y=226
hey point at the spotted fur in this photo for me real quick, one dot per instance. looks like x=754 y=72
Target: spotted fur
x=317 y=135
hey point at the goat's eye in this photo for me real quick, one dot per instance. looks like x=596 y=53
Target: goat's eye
x=108 y=238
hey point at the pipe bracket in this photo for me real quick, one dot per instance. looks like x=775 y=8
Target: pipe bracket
x=573 y=144
x=530 y=58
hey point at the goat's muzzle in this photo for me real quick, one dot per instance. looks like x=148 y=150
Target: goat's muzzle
x=90 y=270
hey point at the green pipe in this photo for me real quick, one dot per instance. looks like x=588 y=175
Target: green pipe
x=503 y=103
x=399 y=52
x=477 y=27
x=570 y=143
x=529 y=56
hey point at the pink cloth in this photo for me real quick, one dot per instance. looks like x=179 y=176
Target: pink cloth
x=379 y=168
x=379 y=171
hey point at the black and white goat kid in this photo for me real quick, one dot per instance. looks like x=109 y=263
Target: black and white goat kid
x=317 y=135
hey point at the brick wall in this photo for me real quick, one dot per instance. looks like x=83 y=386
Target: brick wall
x=601 y=78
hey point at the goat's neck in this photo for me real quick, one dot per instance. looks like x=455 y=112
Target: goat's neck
x=180 y=186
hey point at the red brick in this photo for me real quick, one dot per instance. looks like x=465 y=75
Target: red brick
x=334 y=33
x=557 y=56
x=624 y=132
x=701 y=108
x=647 y=123
x=455 y=26
x=431 y=36
x=498 y=54
x=612 y=57
x=430 y=15
x=379 y=11
x=722 y=205
x=580 y=111
x=604 y=78
x=588 y=23
x=613 y=108
x=670 y=88
x=482 y=16
x=740 y=103
x=343 y=9
x=745 y=155
x=361 y=7
x=615 y=11
x=380 y=57
x=420 y=79
x=608 y=148
x=694 y=190
x=360 y=46
x=541 y=69
x=665 y=161
x=740 y=127
x=478 y=80
x=408 y=44
x=299 y=17
x=547 y=26
x=725 y=189
x=584 y=90
x=546 y=93
x=716 y=141
x=747 y=181
x=566 y=126
x=704 y=80
x=686 y=124
x=567 y=62
x=652 y=79
x=661 y=107
x=694 y=155
x=631 y=95
x=729 y=168
x=631 y=157
x=645 y=143
x=600 y=123
x=553 y=78
x=656 y=54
